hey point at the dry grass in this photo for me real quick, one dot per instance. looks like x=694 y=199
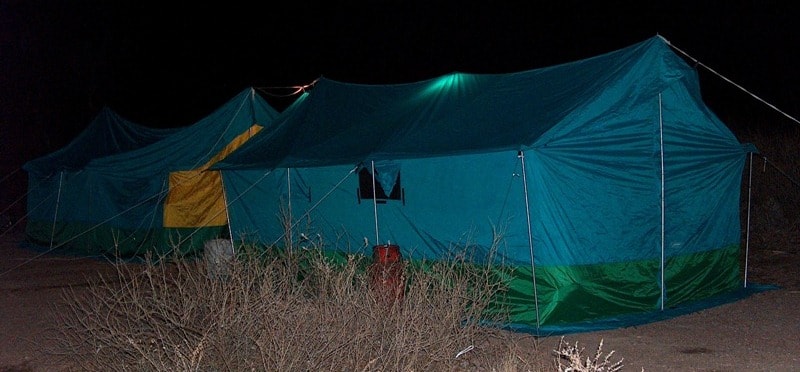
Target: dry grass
x=571 y=359
x=291 y=312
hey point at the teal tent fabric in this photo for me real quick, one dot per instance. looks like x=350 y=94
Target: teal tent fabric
x=107 y=134
x=462 y=113
x=106 y=192
x=614 y=189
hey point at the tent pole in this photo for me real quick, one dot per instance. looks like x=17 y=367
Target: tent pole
x=663 y=198
x=375 y=204
x=313 y=207
x=747 y=238
x=521 y=156
x=55 y=214
x=227 y=215
x=289 y=207
x=228 y=202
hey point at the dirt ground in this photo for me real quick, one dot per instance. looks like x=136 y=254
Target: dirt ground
x=759 y=333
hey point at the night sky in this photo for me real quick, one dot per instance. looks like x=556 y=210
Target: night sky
x=160 y=65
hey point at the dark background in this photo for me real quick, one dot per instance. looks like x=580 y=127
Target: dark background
x=167 y=64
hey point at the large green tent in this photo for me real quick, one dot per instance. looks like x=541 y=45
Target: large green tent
x=614 y=188
x=125 y=189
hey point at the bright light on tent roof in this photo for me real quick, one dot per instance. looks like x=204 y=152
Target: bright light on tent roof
x=445 y=82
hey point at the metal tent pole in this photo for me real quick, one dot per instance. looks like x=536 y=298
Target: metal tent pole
x=521 y=156
x=310 y=209
x=663 y=198
x=227 y=214
x=747 y=238
x=375 y=204
x=289 y=207
x=227 y=204
x=55 y=214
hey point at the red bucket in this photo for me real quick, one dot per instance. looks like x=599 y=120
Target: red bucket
x=386 y=254
x=387 y=271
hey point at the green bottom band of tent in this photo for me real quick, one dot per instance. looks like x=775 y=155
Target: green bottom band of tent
x=640 y=318
x=592 y=297
x=564 y=299
x=83 y=239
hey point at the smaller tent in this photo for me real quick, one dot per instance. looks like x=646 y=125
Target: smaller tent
x=123 y=189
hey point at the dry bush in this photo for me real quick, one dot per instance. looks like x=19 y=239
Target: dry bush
x=295 y=311
x=571 y=358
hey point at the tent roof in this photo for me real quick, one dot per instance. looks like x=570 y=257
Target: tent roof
x=106 y=135
x=458 y=113
x=194 y=145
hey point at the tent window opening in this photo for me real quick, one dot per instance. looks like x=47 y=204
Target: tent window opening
x=387 y=183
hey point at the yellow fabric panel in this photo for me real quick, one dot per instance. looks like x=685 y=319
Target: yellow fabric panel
x=195 y=200
x=233 y=145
